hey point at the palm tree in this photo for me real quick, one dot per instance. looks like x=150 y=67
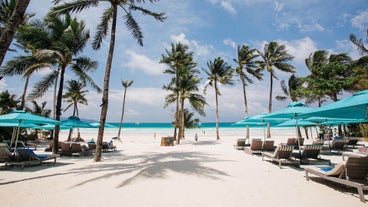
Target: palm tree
x=24 y=65
x=11 y=26
x=39 y=110
x=246 y=69
x=8 y=102
x=109 y=17
x=291 y=90
x=125 y=84
x=359 y=43
x=74 y=95
x=274 y=56
x=67 y=38
x=219 y=72
x=178 y=57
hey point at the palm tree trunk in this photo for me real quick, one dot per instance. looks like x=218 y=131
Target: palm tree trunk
x=122 y=113
x=58 y=110
x=176 y=118
x=54 y=98
x=11 y=27
x=181 y=121
x=23 y=102
x=245 y=104
x=105 y=96
x=217 y=113
x=270 y=104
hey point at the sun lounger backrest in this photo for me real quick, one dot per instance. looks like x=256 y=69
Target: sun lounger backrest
x=256 y=144
x=5 y=154
x=311 y=151
x=75 y=148
x=268 y=145
x=284 y=151
x=357 y=168
x=338 y=144
x=291 y=141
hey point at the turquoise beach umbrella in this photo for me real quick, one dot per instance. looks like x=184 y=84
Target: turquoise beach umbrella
x=20 y=118
x=353 y=107
x=292 y=123
x=97 y=124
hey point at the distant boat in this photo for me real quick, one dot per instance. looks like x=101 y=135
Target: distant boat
x=137 y=123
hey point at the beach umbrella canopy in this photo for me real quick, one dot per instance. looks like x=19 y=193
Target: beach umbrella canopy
x=23 y=117
x=75 y=122
x=20 y=118
x=107 y=125
x=262 y=121
x=293 y=122
x=292 y=111
x=353 y=107
x=333 y=121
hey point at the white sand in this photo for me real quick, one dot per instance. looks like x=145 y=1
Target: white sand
x=142 y=173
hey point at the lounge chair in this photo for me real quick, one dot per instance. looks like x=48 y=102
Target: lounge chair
x=255 y=147
x=108 y=146
x=27 y=157
x=268 y=145
x=352 y=173
x=240 y=144
x=73 y=148
x=282 y=154
x=309 y=153
x=295 y=142
x=5 y=154
x=337 y=145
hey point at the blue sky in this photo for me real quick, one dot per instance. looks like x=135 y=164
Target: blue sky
x=211 y=28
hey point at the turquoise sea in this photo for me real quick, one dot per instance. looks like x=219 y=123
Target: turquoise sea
x=169 y=125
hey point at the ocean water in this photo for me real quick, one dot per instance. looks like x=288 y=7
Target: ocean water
x=227 y=130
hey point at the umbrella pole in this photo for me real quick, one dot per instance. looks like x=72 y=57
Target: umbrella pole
x=297 y=137
x=16 y=140
x=13 y=136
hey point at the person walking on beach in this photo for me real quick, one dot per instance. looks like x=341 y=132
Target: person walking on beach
x=196 y=137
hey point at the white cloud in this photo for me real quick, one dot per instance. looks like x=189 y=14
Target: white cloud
x=143 y=63
x=196 y=47
x=230 y=42
x=228 y=7
x=360 y=21
x=300 y=49
x=278 y=6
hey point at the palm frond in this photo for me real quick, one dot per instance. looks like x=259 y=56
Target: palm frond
x=133 y=26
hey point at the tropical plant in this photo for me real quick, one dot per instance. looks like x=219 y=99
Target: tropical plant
x=109 y=19
x=219 y=72
x=330 y=75
x=125 y=84
x=11 y=25
x=246 y=69
x=66 y=38
x=360 y=66
x=178 y=60
x=274 y=56
x=291 y=90
x=8 y=102
x=74 y=95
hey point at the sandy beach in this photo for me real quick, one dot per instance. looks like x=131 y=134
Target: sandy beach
x=143 y=173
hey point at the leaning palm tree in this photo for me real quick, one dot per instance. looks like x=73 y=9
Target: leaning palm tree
x=246 y=69
x=219 y=72
x=109 y=19
x=274 y=56
x=291 y=90
x=359 y=43
x=75 y=95
x=125 y=84
x=177 y=58
x=11 y=26
x=67 y=38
